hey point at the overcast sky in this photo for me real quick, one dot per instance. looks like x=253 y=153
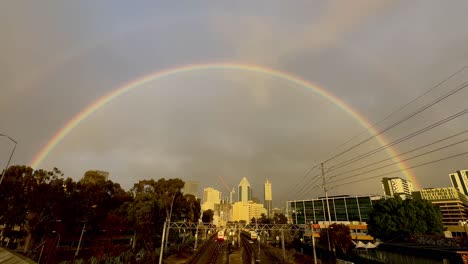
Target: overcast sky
x=57 y=57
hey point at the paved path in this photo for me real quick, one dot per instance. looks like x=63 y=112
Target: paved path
x=8 y=257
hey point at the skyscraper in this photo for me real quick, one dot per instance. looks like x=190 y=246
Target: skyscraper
x=267 y=201
x=245 y=192
x=191 y=187
x=459 y=181
x=398 y=186
x=211 y=199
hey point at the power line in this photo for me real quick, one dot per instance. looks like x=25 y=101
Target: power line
x=400 y=140
x=417 y=156
x=387 y=117
x=305 y=188
x=401 y=154
x=416 y=166
x=309 y=184
x=405 y=105
x=459 y=88
x=309 y=171
x=416 y=133
x=299 y=184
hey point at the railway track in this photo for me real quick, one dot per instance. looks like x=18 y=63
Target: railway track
x=209 y=252
x=252 y=254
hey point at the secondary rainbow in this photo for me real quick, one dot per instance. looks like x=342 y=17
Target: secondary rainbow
x=96 y=105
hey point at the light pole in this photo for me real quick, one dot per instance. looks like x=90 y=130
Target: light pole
x=11 y=155
x=166 y=230
x=81 y=236
x=170 y=218
x=58 y=240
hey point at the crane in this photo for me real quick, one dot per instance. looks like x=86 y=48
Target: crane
x=231 y=192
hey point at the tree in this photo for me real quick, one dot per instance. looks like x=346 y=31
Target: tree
x=340 y=239
x=153 y=202
x=397 y=218
x=280 y=219
x=207 y=216
x=264 y=220
x=190 y=208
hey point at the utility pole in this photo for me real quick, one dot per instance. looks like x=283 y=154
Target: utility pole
x=79 y=242
x=162 y=242
x=11 y=155
x=328 y=205
x=282 y=244
x=313 y=243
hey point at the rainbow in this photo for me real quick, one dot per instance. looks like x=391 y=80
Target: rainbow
x=96 y=105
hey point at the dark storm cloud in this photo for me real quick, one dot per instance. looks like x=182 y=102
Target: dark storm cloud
x=57 y=58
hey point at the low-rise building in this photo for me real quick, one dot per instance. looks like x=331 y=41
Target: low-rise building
x=342 y=208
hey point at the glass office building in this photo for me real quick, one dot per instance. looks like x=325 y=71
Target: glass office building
x=343 y=208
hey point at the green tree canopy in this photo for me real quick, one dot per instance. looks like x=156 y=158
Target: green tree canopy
x=396 y=218
x=280 y=219
x=207 y=216
x=340 y=239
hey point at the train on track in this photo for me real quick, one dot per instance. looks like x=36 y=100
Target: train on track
x=253 y=235
x=220 y=235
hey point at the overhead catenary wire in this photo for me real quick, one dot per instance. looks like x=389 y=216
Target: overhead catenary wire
x=321 y=185
x=303 y=178
x=401 y=154
x=402 y=139
x=407 y=159
x=412 y=167
x=305 y=188
x=406 y=105
x=398 y=141
x=393 y=113
x=406 y=118
x=352 y=160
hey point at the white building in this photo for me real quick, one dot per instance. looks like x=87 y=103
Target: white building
x=211 y=199
x=459 y=181
x=245 y=191
x=398 y=186
x=267 y=201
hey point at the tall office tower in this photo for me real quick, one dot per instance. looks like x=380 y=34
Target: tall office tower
x=245 y=192
x=459 y=181
x=211 y=199
x=398 y=186
x=191 y=187
x=267 y=201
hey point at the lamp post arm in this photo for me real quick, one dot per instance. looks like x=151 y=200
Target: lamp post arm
x=9 y=159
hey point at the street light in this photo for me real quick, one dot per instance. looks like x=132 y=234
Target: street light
x=11 y=155
x=166 y=227
x=83 y=230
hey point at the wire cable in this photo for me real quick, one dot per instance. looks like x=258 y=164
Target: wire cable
x=412 y=167
x=400 y=140
x=407 y=104
x=407 y=159
x=406 y=118
x=401 y=154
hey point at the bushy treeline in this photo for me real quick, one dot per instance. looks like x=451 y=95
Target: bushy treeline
x=34 y=202
x=395 y=218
